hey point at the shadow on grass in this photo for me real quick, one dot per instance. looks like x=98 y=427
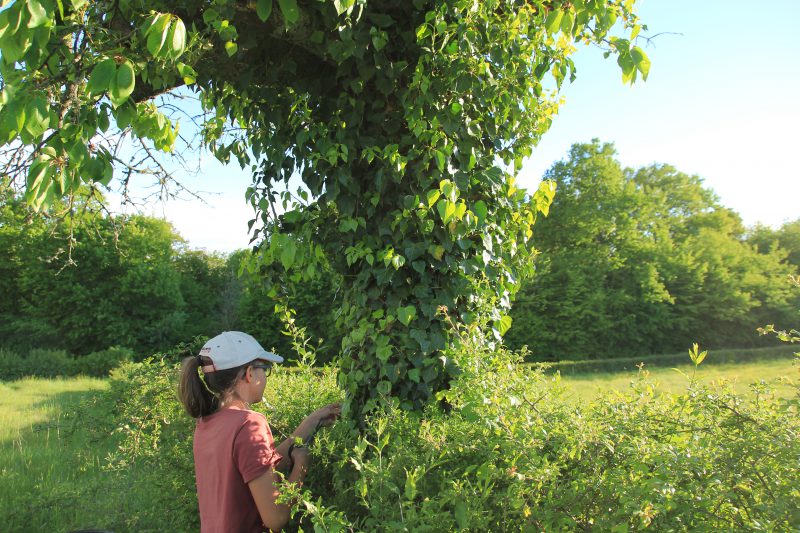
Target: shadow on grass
x=52 y=451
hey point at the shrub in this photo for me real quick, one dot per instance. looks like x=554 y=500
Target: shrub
x=52 y=363
x=100 y=364
x=508 y=453
x=11 y=365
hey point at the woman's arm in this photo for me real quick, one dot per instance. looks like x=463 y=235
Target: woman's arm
x=324 y=416
x=265 y=491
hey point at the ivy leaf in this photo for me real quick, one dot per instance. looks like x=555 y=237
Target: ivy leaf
x=123 y=83
x=433 y=195
x=406 y=314
x=290 y=11
x=102 y=74
x=38 y=14
x=503 y=324
x=449 y=211
x=343 y=5
x=231 y=47
x=480 y=211
x=264 y=9
x=440 y=160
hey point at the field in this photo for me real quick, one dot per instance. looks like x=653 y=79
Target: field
x=54 y=473
x=778 y=373
x=44 y=463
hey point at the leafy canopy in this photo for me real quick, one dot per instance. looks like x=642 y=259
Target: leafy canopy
x=405 y=122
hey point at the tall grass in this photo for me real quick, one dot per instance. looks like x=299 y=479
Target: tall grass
x=42 y=471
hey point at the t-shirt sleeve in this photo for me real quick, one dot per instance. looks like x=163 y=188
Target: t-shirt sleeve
x=253 y=448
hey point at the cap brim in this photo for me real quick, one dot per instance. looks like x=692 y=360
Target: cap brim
x=269 y=356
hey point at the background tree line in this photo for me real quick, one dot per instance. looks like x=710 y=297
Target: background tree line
x=129 y=281
x=632 y=262
x=638 y=261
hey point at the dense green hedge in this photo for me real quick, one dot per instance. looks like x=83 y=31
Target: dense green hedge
x=52 y=363
x=665 y=360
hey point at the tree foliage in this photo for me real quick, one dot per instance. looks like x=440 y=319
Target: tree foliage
x=394 y=116
x=642 y=261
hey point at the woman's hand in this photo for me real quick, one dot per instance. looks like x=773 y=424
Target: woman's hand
x=301 y=458
x=326 y=416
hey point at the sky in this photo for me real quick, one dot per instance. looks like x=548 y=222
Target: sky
x=721 y=102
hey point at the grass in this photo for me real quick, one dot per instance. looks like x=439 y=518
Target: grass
x=47 y=462
x=778 y=373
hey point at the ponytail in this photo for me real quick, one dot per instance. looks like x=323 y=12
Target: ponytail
x=201 y=396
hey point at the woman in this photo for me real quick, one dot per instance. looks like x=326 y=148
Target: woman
x=236 y=460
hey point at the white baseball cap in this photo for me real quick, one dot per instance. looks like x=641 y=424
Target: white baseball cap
x=230 y=349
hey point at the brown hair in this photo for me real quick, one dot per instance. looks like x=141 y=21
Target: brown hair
x=201 y=396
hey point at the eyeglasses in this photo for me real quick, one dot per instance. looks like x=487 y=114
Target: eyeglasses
x=266 y=367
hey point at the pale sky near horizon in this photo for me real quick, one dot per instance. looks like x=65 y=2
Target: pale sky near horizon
x=721 y=102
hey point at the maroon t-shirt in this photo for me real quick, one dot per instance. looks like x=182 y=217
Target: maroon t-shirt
x=232 y=447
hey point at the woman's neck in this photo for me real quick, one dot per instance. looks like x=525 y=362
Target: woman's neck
x=234 y=401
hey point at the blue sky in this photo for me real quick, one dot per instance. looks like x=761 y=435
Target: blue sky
x=721 y=102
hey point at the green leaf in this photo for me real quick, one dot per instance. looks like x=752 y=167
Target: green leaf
x=503 y=324
x=13 y=119
x=123 y=83
x=36 y=173
x=264 y=9
x=641 y=61
x=38 y=14
x=406 y=314
x=567 y=22
x=553 y=20
x=37 y=116
x=480 y=211
x=433 y=195
x=461 y=514
x=102 y=74
x=449 y=211
x=188 y=73
x=343 y=5
x=231 y=47
x=78 y=4
x=157 y=34
x=383 y=353
x=288 y=252
x=177 y=38
x=440 y=160
x=384 y=387
x=102 y=120
x=290 y=11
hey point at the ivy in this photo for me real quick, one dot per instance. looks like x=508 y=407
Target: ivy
x=405 y=123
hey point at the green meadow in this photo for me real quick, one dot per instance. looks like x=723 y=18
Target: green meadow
x=778 y=375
